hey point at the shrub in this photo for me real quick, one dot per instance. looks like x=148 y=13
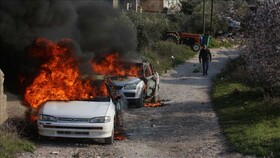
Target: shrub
x=262 y=52
x=165 y=55
x=151 y=26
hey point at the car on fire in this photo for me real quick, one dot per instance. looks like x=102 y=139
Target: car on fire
x=137 y=90
x=92 y=118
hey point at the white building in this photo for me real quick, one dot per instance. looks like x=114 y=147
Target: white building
x=170 y=3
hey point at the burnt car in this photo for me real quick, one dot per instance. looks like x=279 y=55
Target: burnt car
x=137 y=90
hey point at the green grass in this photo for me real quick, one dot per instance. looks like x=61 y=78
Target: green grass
x=160 y=55
x=214 y=43
x=11 y=144
x=250 y=123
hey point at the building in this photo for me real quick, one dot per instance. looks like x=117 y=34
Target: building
x=155 y=6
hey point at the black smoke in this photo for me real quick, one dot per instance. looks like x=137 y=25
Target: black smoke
x=94 y=26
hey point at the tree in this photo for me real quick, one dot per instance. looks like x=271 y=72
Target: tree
x=262 y=53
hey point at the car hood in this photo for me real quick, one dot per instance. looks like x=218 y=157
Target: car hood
x=75 y=109
x=126 y=80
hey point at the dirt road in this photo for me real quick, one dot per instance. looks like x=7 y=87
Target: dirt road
x=185 y=126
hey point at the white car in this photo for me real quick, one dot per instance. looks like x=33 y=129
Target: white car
x=138 y=89
x=80 y=119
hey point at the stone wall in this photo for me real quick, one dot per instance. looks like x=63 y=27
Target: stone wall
x=3 y=100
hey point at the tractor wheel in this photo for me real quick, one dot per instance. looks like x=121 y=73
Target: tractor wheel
x=172 y=38
x=195 y=47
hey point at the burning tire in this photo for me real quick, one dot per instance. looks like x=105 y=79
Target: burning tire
x=195 y=47
x=110 y=140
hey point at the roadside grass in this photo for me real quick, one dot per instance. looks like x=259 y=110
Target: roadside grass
x=11 y=140
x=11 y=144
x=214 y=43
x=249 y=121
x=165 y=55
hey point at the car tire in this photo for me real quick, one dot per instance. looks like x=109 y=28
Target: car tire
x=119 y=120
x=140 y=101
x=195 y=47
x=110 y=140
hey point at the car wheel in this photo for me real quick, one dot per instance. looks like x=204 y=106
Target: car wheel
x=110 y=140
x=118 y=120
x=140 y=101
x=196 y=47
x=118 y=107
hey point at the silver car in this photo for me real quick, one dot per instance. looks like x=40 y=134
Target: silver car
x=136 y=90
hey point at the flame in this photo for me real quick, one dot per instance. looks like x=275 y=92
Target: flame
x=58 y=77
x=153 y=104
x=112 y=66
x=119 y=135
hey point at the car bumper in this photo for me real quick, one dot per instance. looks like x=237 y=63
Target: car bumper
x=75 y=130
x=130 y=94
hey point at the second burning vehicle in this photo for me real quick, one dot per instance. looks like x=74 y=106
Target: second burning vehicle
x=137 y=90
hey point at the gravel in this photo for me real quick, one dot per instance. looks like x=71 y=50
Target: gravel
x=184 y=126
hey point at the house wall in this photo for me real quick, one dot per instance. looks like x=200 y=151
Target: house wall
x=3 y=100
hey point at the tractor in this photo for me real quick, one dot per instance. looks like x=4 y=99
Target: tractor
x=193 y=40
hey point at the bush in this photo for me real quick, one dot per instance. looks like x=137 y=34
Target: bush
x=262 y=54
x=215 y=43
x=151 y=27
x=165 y=55
x=12 y=139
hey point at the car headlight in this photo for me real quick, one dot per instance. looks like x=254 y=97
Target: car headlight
x=130 y=86
x=103 y=119
x=47 y=118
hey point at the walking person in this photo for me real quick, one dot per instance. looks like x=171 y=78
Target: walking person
x=205 y=56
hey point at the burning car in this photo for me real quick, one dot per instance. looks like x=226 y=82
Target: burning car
x=136 y=80
x=138 y=89
x=90 y=118
x=65 y=102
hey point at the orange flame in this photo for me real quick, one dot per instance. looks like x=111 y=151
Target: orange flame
x=59 y=77
x=153 y=104
x=119 y=135
x=112 y=66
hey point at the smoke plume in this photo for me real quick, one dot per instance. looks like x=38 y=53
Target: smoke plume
x=94 y=26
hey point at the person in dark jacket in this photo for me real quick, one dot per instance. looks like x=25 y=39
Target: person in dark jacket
x=205 y=56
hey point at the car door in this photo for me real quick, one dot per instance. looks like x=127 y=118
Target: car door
x=150 y=79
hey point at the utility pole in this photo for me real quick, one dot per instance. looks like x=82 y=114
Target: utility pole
x=203 y=17
x=211 y=20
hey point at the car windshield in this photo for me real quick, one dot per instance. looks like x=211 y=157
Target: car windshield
x=98 y=99
x=131 y=69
